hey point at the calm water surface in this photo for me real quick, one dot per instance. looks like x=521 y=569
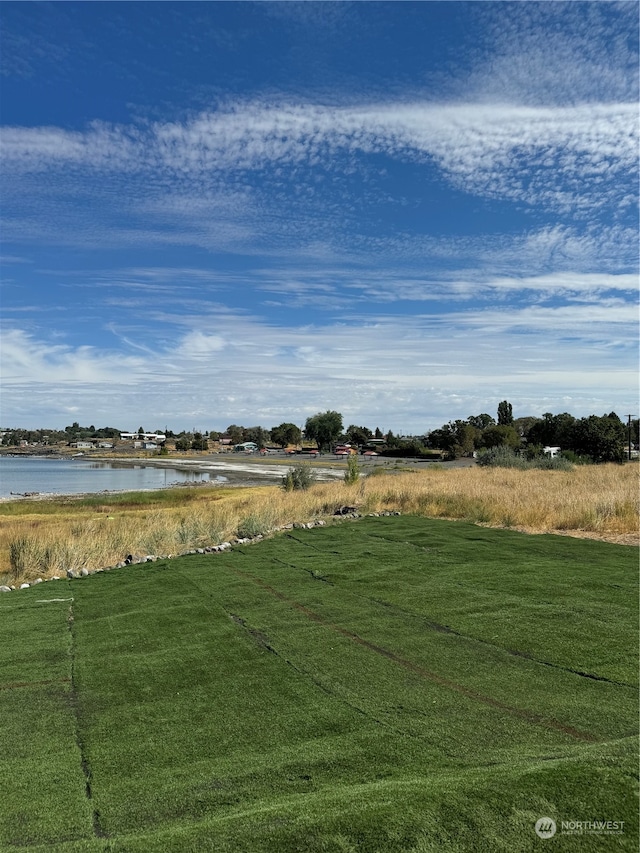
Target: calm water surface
x=76 y=476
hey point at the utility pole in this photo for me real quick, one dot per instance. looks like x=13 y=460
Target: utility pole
x=629 y=434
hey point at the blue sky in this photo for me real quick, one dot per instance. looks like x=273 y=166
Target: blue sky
x=218 y=213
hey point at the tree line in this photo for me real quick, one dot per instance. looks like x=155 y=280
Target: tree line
x=594 y=438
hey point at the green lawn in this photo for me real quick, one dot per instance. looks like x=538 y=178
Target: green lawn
x=392 y=685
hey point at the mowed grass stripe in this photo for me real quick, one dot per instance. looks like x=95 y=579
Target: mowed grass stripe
x=374 y=685
x=563 y=601
x=529 y=716
x=201 y=722
x=422 y=621
x=43 y=786
x=594 y=710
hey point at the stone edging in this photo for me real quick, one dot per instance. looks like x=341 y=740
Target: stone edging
x=135 y=559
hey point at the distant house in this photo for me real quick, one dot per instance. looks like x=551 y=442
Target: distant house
x=149 y=445
x=551 y=451
x=246 y=447
x=158 y=437
x=344 y=450
x=82 y=444
x=105 y=445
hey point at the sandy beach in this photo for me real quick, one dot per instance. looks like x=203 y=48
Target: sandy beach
x=240 y=470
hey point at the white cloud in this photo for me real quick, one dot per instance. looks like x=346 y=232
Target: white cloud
x=551 y=154
x=25 y=361
x=197 y=345
x=555 y=53
x=408 y=373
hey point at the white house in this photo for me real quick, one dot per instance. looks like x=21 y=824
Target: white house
x=551 y=451
x=143 y=436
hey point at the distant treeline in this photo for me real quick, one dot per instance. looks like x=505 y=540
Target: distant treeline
x=594 y=438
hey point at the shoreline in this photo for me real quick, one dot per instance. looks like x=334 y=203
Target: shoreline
x=233 y=472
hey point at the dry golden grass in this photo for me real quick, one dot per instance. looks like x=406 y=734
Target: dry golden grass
x=598 y=501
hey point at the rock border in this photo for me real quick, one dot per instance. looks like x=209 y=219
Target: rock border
x=342 y=513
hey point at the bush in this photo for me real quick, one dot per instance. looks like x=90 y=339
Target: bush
x=352 y=474
x=574 y=458
x=298 y=478
x=504 y=457
x=411 y=450
x=558 y=463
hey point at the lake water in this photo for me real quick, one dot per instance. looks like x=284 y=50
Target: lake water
x=76 y=476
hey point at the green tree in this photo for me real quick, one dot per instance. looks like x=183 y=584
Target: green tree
x=391 y=440
x=286 y=433
x=603 y=439
x=235 y=433
x=500 y=435
x=183 y=443
x=523 y=425
x=505 y=413
x=256 y=434
x=457 y=438
x=324 y=428
x=553 y=431
x=378 y=433
x=199 y=442
x=358 y=435
x=481 y=421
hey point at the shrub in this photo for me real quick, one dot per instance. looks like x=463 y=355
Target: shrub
x=352 y=474
x=298 y=478
x=547 y=463
x=504 y=457
x=411 y=450
x=574 y=458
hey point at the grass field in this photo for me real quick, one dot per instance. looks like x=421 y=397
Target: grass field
x=391 y=685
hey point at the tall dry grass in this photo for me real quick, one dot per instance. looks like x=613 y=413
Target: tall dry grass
x=600 y=501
